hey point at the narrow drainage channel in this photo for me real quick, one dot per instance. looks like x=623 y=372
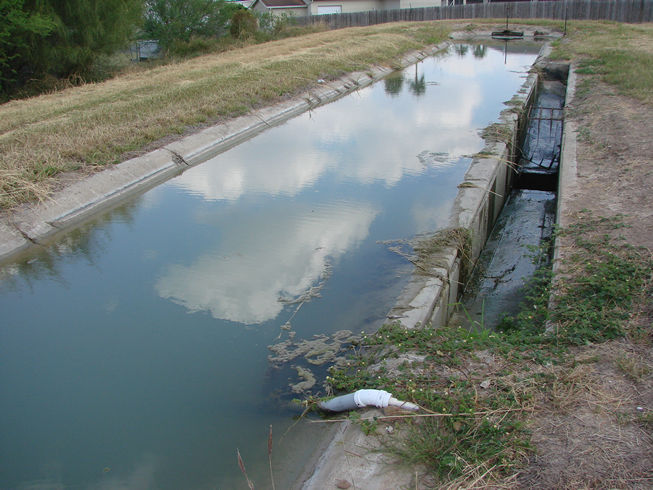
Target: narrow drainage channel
x=511 y=254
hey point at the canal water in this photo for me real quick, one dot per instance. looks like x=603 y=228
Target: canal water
x=134 y=350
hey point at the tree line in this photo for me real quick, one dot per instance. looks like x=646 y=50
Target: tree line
x=63 y=39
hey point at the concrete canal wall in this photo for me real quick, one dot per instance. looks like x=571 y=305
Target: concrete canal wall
x=431 y=295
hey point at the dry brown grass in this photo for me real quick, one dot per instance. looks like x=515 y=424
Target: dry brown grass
x=596 y=438
x=102 y=123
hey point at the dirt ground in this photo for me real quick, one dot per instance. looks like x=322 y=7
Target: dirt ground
x=597 y=434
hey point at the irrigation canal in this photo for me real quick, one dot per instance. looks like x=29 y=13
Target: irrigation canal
x=134 y=350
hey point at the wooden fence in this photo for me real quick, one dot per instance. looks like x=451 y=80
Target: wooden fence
x=616 y=10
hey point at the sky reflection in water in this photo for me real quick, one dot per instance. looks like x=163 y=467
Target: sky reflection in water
x=377 y=142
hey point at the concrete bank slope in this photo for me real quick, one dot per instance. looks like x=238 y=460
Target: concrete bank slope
x=353 y=456
x=36 y=224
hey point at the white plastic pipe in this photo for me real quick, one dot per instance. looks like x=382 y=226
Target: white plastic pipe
x=393 y=402
x=365 y=398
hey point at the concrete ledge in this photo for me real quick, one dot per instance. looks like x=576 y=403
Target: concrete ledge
x=567 y=182
x=356 y=458
x=35 y=223
x=12 y=241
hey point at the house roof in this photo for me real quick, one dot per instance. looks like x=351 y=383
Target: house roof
x=283 y=3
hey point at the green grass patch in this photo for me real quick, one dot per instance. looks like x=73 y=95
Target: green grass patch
x=610 y=278
x=616 y=53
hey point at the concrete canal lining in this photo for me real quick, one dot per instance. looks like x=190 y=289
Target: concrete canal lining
x=478 y=204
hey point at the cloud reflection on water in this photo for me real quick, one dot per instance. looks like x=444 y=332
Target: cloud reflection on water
x=245 y=279
x=361 y=139
x=365 y=139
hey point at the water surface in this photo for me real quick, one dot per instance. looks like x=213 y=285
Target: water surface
x=133 y=351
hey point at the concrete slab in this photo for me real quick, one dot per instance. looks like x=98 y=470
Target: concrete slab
x=354 y=457
x=201 y=146
x=421 y=306
x=78 y=201
x=568 y=181
x=12 y=240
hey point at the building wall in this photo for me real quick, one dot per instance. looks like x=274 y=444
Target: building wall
x=348 y=6
x=414 y=4
x=291 y=11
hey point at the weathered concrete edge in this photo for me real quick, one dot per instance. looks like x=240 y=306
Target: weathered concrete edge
x=36 y=223
x=486 y=185
x=567 y=183
x=568 y=180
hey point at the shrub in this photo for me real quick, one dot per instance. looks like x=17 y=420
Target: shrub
x=243 y=24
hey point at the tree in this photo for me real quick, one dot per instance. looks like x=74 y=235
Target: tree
x=243 y=24
x=393 y=83
x=40 y=38
x=480 y=50
x=84 y=30
x=417 y=86
x=461 y=49
x=179 y=20
x=19 y=29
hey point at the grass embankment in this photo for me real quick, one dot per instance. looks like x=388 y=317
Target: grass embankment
x=98 y=124
x=549 y=399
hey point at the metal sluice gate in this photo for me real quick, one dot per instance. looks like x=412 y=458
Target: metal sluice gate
x=545 y=124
